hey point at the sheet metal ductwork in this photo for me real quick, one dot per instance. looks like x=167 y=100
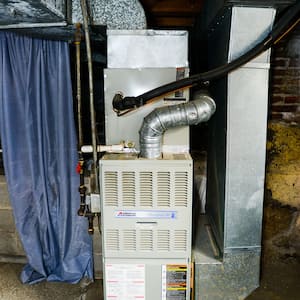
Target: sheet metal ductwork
x=163 y=118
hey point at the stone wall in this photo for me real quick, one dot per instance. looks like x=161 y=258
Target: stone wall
x=283 y=177
x=282 y=209
x=10 y=244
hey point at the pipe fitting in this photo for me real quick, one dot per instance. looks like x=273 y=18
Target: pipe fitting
x=161 y=119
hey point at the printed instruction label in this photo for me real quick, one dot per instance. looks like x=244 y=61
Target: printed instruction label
x=174 y=282
x=125 y=281
x=146 y=214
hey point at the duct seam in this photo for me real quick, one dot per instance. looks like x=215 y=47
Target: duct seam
x=161 y=119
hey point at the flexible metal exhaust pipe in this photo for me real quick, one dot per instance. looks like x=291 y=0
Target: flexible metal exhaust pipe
x=163 y=118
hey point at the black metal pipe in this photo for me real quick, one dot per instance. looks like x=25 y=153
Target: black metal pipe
x=80 y=167
x=82 y=187
x=92 y=109
x=163 y=118
x=91 y=224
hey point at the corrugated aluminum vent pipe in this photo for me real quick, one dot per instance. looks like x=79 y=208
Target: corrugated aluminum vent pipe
x=163 y=118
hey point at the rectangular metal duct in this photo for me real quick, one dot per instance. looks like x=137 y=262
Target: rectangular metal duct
x=136 y=49
x=214 y=7
x=236 y=159
x=33 y=13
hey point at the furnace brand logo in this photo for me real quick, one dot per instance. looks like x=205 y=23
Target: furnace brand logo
x=125 y=214
x=143 y=214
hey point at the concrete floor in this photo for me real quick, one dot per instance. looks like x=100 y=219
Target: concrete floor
x=280 y=281
x=12 y=289
x=280 y=275
x=280 y=270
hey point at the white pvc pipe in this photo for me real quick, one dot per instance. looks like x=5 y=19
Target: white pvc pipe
x=102 y=148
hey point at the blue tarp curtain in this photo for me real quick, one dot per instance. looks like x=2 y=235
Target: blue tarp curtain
x=40 y=156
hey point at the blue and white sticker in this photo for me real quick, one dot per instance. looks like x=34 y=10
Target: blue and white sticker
x=146 y=214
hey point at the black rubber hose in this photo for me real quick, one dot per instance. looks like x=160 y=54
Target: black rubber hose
x=283 y=25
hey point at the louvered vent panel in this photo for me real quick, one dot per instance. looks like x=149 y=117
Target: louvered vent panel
x=163 y=189
x=146 y=189
x=163 y=240
x=146 y=240
x=129 y=240
x=128 y=190
x=111 y=188
x=112 y=240
x=181 y=189
x=180 y=240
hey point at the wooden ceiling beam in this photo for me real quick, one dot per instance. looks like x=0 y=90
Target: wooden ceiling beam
x=172 y=13
x=177 y=6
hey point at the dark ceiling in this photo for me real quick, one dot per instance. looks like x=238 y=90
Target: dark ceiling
x=160 y=13
x=30 y=16
x=171 y=13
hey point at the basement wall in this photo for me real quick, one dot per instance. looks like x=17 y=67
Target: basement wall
x=285 y=80
x=10 y=245
x=282 y=204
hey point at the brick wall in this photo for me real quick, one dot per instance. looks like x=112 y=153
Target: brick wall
x=285 y=79
x=283 y=165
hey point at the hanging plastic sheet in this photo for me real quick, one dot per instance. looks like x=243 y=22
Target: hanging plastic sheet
x=39 y=149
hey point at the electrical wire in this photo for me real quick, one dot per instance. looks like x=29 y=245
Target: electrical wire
x=287 y=32
x=280 y=29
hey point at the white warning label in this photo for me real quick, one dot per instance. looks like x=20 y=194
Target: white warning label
x=125 y=281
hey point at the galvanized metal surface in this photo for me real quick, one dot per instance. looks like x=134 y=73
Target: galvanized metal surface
x=236 y=164
x=14 y=12
x=59 y=7
x=147 y=49
x=232 y=277
x=115 y=14
x=212 y=8
x=164 y=118
x=61 y=32
x=31 y=26
x=237 y=158
x=242 y=38
x=247 y=112
x=218 y=44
